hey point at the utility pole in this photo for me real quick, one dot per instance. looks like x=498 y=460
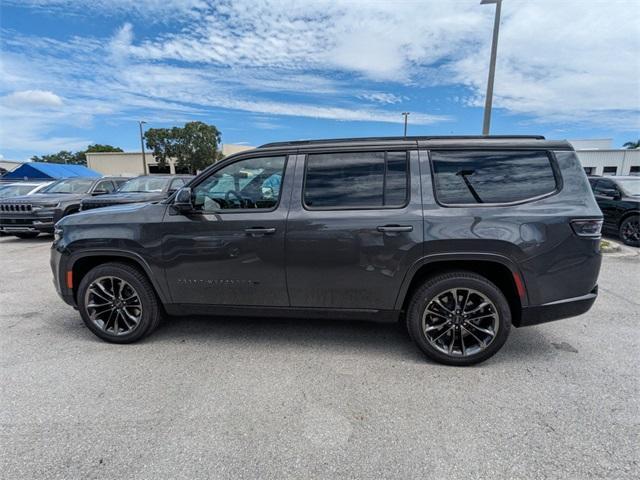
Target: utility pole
x=486 y=125
x=406 y=116
x=144 y=158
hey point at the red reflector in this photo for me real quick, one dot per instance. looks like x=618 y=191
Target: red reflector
x=519 y=284
x=70 y=279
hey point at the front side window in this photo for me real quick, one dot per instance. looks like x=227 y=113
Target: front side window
x=104 y=186
x=631 y=186
x=356 y=180
x=253 y=183
x=606 y=188
x=145 y=184
x=473 y=177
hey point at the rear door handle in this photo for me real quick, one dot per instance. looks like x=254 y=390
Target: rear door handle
x=260 y=231
x=395 y=228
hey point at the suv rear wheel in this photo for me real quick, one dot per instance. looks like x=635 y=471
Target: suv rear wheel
x=459 y=318
x=117 y=303
x=630 y=231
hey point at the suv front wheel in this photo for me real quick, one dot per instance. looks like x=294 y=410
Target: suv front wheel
x=459 y=318
x=117 y=303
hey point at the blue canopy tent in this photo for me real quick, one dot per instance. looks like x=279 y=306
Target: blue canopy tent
x=48 y=171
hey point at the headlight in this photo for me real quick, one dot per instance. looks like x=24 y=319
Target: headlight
x=45 y=205
x=57 y=234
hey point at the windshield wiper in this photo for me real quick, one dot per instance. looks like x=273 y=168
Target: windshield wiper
x=464 y=174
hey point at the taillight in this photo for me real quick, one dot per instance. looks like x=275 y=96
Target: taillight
x=587 y=228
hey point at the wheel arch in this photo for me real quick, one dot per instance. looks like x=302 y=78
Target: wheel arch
x=69 y=209
x=627 y=214
x=496 y=268
x=81 y=264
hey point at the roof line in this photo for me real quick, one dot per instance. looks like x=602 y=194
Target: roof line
x=409 y=139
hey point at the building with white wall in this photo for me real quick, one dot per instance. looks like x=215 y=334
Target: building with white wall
x=131 y=164
x=599 y=158
x=9 y=165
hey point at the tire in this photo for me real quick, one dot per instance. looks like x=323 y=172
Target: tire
x=629 y=231
x=118 y=326
x=26 y=235
x=470 y=335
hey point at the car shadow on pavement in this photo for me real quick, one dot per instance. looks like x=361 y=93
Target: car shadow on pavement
x=9 y=239
x=384 y=340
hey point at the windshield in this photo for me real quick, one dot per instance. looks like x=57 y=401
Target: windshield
x=631 y=186
x=70 y=185
x=145 y=184
x=15 y=190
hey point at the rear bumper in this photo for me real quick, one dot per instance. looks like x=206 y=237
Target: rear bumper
x=557 y=310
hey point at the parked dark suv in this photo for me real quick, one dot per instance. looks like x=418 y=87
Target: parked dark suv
x=148 y=188
x=30 y=215
x=461 y=237
x=619 y=200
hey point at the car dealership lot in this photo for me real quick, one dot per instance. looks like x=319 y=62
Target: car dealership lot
x=248 y=398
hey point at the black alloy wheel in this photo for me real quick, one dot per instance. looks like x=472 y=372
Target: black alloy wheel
x=630 y=231
x=118 y=303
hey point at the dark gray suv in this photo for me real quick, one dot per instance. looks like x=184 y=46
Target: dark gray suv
x=460 y=237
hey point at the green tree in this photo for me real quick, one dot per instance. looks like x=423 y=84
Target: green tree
x=63 y=156
x=74 y=158
x=96 y=147
x=194 y=146
x=632 y=144
x=163 y=142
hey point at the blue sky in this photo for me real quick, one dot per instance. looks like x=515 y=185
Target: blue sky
x=84 y=71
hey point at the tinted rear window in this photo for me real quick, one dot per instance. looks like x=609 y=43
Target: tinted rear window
x=468 y=177
x=356 y=180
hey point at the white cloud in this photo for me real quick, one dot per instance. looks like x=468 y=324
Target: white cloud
x=150 y=10
x=381 y=97
x=36 y=98
x=558 y=61
x=569 y=62
x=563 y=62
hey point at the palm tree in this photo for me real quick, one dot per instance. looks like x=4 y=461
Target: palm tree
x=632 y=144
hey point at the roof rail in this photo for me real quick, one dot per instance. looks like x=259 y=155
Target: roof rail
x=411 y=139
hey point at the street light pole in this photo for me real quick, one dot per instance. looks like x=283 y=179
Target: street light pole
x=486 y=125
x=406 y=116
x=144 y=158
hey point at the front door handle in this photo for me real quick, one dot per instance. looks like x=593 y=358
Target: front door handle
x=395 y=228
x=260 y=231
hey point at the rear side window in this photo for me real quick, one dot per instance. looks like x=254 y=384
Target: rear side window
x=473 y=177
x=356 y=180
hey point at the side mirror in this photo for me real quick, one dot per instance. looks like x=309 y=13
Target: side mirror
x=183 y=201
x=612 y=193
x=99 y=192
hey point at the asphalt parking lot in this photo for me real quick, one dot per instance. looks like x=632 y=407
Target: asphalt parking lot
x=238 y=398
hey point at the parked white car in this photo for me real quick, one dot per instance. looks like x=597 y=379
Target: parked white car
x=18 y=189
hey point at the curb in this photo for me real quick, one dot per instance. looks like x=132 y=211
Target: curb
x=612 y=248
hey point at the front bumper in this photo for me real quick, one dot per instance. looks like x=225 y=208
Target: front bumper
x=28 y=222
x=58 y=263
x=548 y=312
